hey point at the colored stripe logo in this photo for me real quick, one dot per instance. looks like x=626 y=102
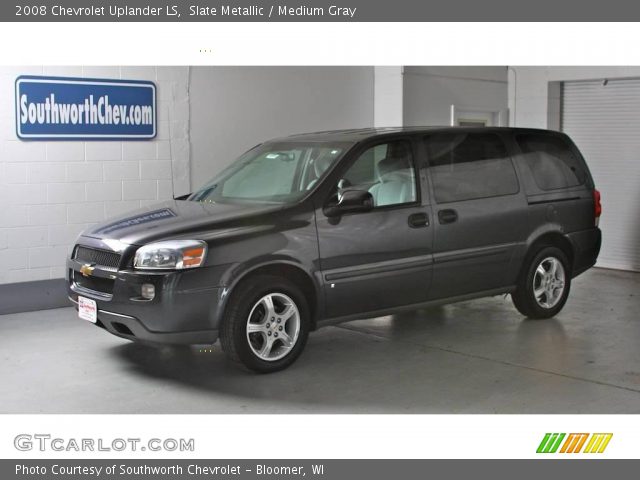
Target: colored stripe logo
x=574 y=443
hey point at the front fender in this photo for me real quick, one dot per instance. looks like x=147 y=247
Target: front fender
x=235 y=274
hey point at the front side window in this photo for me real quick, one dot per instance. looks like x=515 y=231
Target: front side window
x=552 y=161
x=276 y=172
x=465 y=166
x=386 y=171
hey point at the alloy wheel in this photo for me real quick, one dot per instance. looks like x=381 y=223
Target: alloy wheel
x=273 y=327
x=549 y=282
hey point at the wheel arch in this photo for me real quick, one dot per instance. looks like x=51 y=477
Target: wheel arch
x=281 y=268
x=550 y=238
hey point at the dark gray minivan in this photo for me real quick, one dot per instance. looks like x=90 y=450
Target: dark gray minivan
x=320 y=228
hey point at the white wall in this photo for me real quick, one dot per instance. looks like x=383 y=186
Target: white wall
x=429 y=92
x=50 y=191
x=388 y=93
x=529 y=90
x=235 y=108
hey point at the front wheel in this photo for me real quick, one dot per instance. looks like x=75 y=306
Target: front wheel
x=266 y=325
x=544 y=286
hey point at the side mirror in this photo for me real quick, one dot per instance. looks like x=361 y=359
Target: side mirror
x=182 y=197
x=349 y=201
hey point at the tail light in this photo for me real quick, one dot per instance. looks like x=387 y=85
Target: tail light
x=597 y=206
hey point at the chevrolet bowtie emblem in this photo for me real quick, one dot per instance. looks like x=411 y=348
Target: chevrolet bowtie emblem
x=86 y=269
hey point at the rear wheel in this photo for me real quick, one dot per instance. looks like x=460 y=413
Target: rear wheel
x=544 y=286
x=266 y=325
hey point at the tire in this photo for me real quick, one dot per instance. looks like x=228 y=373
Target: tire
x=541 y=291
x=265 y=349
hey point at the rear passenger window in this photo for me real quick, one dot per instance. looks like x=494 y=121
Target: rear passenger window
x=552 y=160
x=465 y=166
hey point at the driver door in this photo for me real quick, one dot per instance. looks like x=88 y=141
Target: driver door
x=382 y=258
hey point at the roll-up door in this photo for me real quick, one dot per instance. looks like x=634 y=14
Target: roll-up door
x=603 y=119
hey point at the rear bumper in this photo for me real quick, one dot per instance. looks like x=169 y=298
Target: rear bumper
x=586 y=247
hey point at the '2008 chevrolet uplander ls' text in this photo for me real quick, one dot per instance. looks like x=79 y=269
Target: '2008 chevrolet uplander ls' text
x=320 y=228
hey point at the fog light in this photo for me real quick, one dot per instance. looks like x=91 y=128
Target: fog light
x=148 y=291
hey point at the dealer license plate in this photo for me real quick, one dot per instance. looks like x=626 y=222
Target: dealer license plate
x=87 y=309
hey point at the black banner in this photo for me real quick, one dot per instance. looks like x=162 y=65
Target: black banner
x=318 y=11
x=320 y=469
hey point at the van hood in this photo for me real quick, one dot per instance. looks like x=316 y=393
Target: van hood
x=175 y=219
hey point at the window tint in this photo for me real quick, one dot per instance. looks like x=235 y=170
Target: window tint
x=386 y=171
x=552 y=160
x=465 y=166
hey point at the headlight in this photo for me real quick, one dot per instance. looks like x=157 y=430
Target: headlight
x=171 y=254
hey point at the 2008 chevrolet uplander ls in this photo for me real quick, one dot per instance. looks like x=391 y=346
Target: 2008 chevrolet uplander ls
x=325 y=227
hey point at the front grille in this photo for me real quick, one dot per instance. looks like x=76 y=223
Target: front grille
x=95 y=256
x=97 y=284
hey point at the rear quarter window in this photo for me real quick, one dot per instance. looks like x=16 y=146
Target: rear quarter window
x=553 y=161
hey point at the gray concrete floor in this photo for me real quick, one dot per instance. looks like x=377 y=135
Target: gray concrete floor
x=473 y=357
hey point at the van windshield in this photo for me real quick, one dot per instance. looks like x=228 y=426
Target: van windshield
x=275 y=172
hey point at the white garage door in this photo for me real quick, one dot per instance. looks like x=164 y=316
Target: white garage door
x=604 y=121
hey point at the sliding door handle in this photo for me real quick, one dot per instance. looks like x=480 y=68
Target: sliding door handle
x=447 y=216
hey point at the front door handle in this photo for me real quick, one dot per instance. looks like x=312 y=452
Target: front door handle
x=417 y=220
x=447 y=216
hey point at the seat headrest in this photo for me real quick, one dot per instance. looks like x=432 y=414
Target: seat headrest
x=321 y=164
x=397 y=159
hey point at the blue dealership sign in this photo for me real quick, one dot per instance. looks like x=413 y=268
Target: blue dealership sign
x=55 y=108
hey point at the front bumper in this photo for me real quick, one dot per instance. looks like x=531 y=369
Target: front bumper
x=131 y=328
x=183 y=311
